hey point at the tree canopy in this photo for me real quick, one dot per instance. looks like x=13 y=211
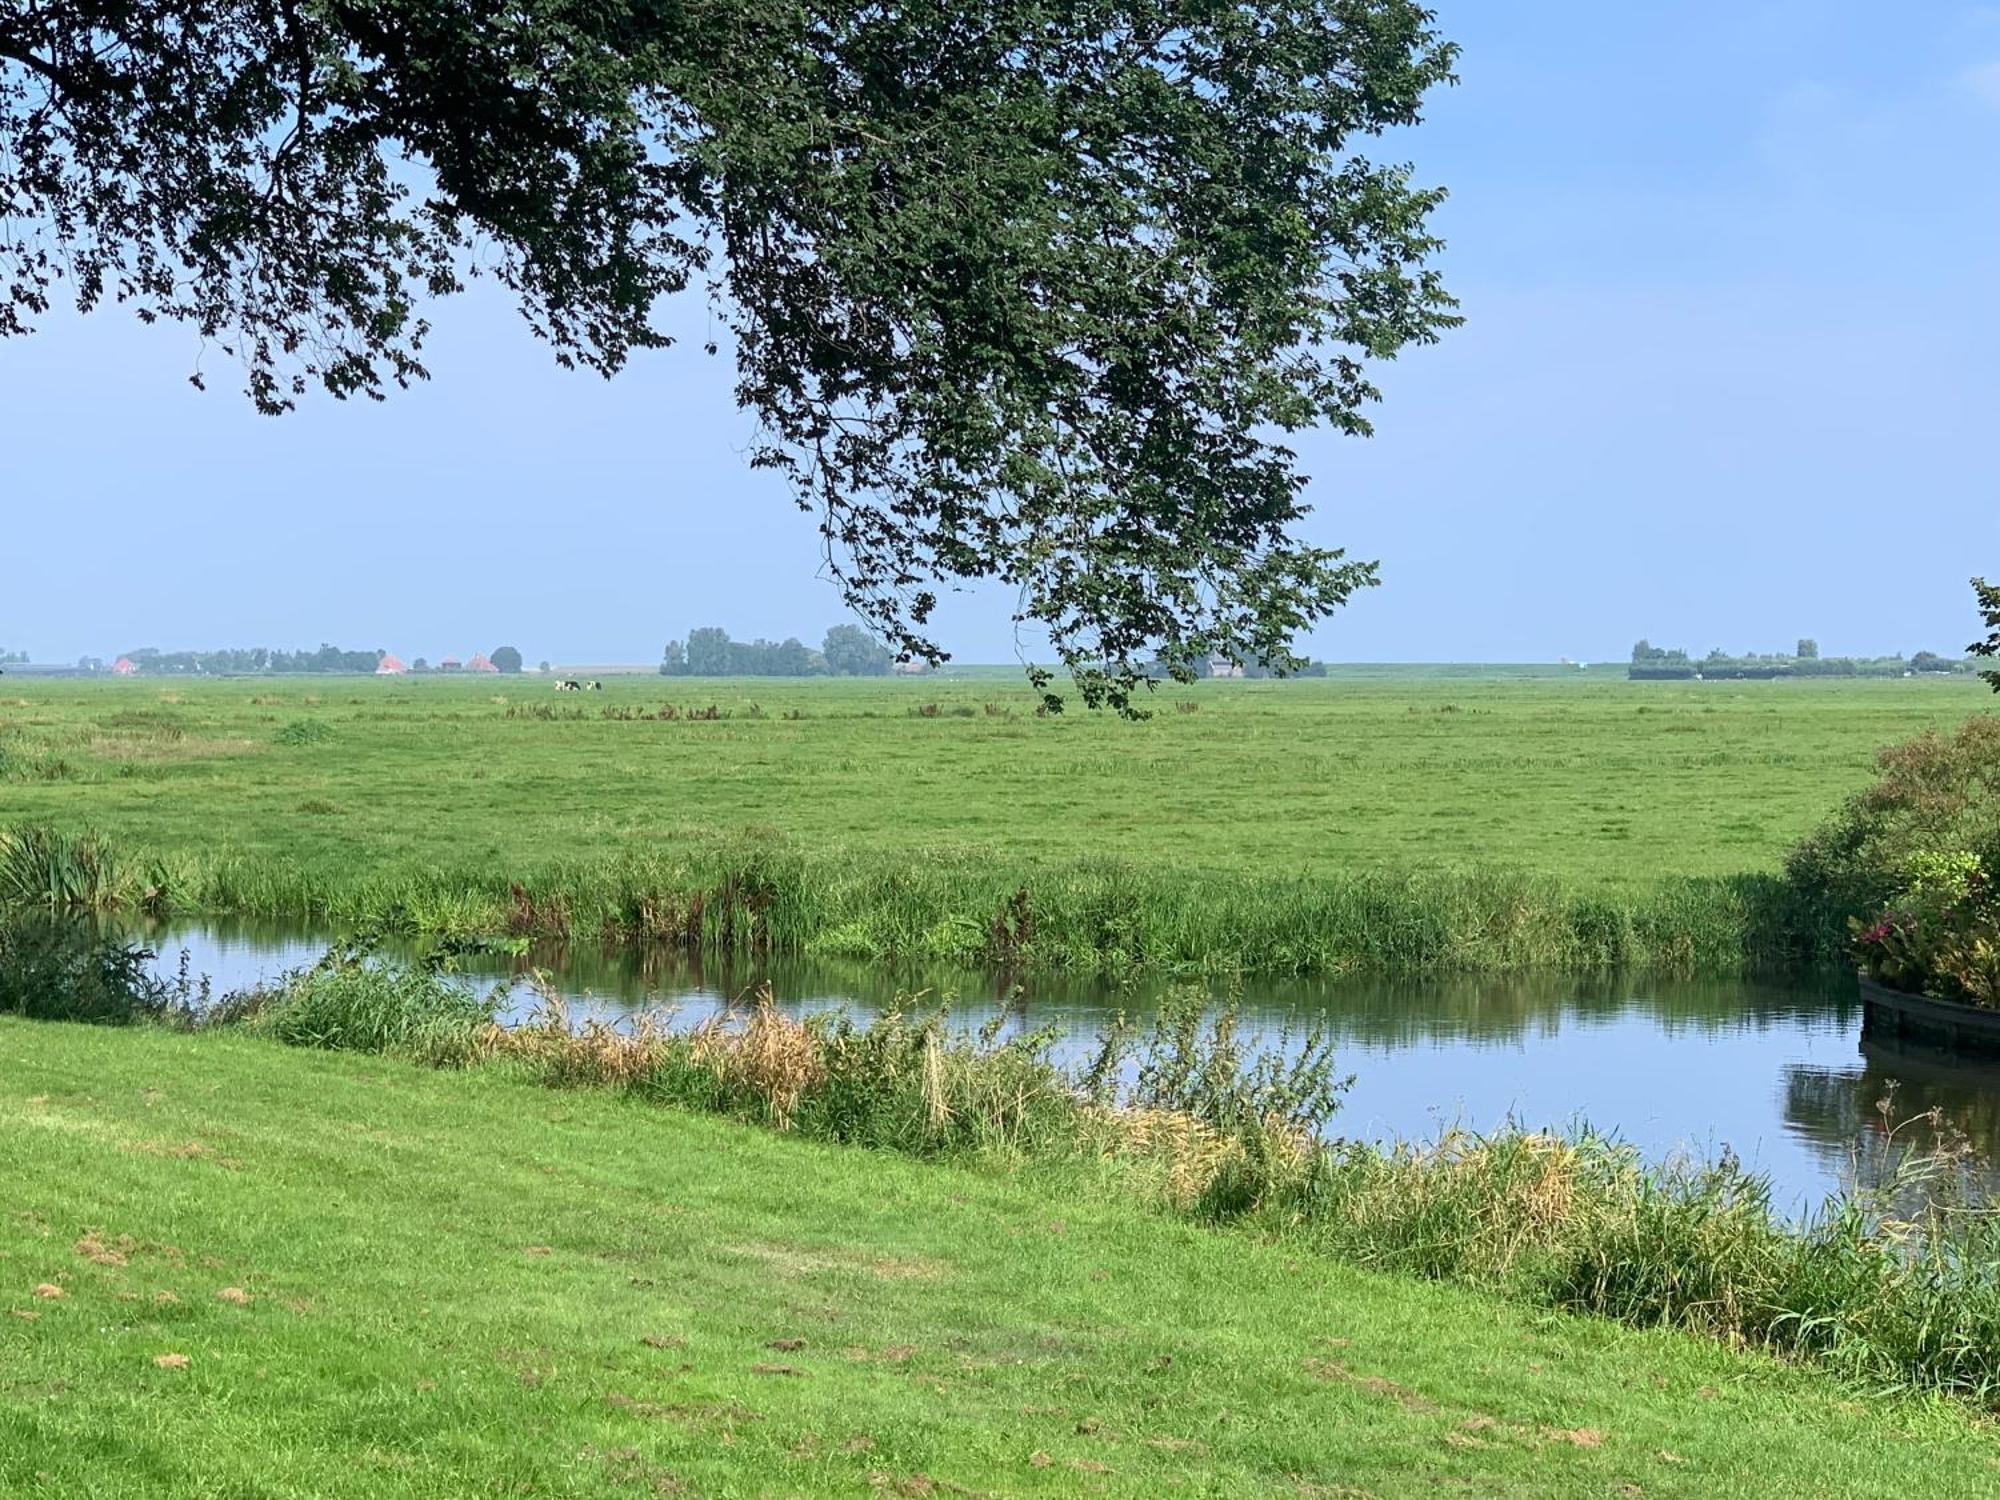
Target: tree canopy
x=1989 y=615
x=1016 y=292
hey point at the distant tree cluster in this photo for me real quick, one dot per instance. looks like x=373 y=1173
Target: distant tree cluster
x=1655 y=663
x=261 y=660
x=252 y=659
x=10 y=658
x=848 y=651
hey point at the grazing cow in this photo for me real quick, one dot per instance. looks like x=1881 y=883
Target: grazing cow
x=596 y=687
x=569 y=685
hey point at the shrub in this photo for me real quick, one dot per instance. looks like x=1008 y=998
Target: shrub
x=354 y=1003
x=1941 y=936
x=56 y=970
x=1937 y=793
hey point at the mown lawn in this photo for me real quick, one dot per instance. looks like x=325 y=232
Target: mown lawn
x=1608 y=782
x=231 y=1269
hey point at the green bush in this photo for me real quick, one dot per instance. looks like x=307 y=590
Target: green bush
x=1941 y=935
x=357 y=1004
x=1937 y=794
x=56 y=970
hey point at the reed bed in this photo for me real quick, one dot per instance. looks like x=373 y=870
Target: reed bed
x=751 y=896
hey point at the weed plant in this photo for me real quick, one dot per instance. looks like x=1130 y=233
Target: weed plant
x=351 y=1003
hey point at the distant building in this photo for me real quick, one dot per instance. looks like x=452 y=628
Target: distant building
x=124 y=666
x=388 y=666
x=910 y=668
x=1222 y=666
x=480 y=663
x=451 y=664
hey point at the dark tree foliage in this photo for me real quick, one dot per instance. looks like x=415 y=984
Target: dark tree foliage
x=505 y=659
x=1017 y=292
x=1989 y=614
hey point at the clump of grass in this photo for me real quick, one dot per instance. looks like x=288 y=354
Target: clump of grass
x=1180 y=1108
x=354 y=1003
x=58 y=970
x=1896 y=1285
x=55 y=870
x=305 y=732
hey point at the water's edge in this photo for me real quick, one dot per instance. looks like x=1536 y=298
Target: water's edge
x=1775 y=1070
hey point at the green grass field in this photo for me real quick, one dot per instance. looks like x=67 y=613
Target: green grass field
x=424 y=799
x=230 y=1268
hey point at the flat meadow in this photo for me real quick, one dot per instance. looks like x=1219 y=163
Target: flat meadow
x=876 y=816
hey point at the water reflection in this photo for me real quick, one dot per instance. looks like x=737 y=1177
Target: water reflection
x=1775 y=1070
x=1861 y=1119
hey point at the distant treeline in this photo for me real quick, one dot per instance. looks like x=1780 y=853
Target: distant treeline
x=250 y=659
x=847 y=651
x=1655 y=663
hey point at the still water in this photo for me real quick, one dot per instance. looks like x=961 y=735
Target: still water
x=1778 y=1072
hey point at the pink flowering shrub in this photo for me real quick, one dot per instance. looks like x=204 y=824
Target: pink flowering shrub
x=1941 y=936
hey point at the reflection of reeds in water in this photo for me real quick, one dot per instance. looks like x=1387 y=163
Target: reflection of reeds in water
x=1865 y=1123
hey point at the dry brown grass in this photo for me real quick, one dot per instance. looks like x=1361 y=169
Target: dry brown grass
x=1190 y=1155
x=593 y=1053
x=1526 y=1185
x=770 y=1053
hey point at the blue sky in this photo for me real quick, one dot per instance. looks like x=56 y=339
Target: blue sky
x=1730 y=375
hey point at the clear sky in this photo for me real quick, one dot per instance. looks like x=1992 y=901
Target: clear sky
x=1731 y=375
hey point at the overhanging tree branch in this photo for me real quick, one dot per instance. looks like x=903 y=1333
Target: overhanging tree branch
x=1019 y=294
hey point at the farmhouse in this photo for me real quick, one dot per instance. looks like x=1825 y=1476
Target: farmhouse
x=480 y=663
x=389 y=666
x=124 y=666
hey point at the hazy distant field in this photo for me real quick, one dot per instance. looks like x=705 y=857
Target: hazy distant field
x=1618 y=782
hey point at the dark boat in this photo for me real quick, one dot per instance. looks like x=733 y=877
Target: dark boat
x=1895 y=1014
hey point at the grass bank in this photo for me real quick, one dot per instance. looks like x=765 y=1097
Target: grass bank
x=1892 y=1285
x=1316 y=826
x=232 y=1267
